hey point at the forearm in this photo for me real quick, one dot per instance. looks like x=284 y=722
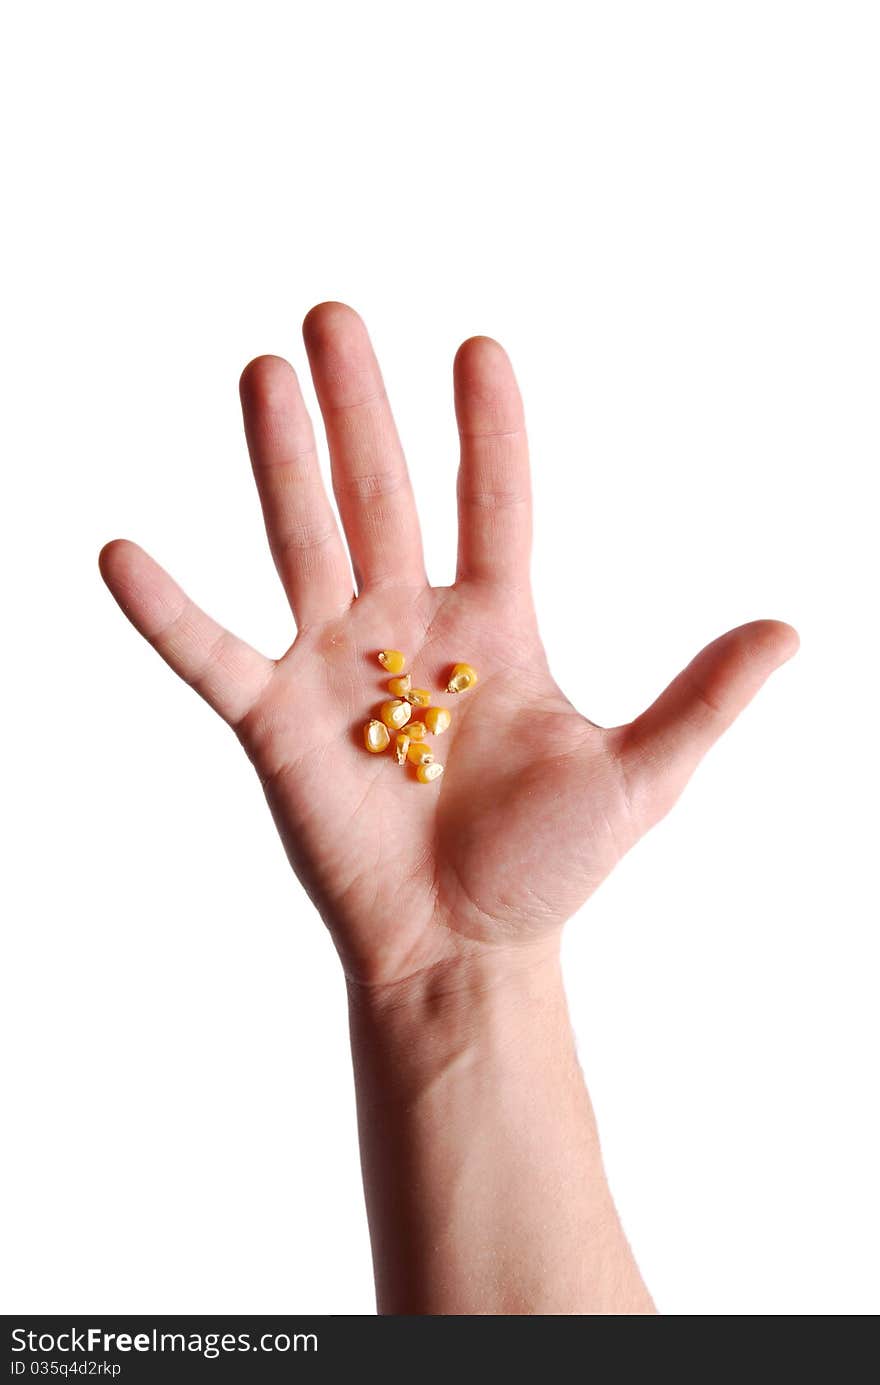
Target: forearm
x=483 y=1176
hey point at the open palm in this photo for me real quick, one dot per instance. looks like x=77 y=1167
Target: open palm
x=537 y=804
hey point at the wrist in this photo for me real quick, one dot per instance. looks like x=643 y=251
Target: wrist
x=481 y=1161
x=487 y=1007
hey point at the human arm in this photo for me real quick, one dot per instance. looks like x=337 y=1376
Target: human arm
x=445 y=901
x=485 y=1187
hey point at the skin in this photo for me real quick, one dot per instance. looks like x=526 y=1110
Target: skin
x=445 y=901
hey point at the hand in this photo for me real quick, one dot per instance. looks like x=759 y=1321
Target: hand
x=537 y=804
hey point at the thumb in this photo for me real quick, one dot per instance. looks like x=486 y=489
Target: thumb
x=662 y=748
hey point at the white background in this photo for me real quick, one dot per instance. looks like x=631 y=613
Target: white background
x=668 y=213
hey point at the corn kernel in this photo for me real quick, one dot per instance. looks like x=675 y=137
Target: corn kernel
x=392 y=660
x=426 y=773
x=395 y=714
x=461 y=678
x=419 y=753
x=416 y=730
x=399 y=687
x=437 y=720
x=418 y=697
x=401 y=746
x=376 y=737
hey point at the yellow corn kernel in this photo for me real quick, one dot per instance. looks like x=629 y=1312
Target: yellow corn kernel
x=395 y=714
x=392 y=660
x=461 y=678
x=426 y=773
x=418 y=697
x=399 y=687
x=376 y=737
x=416 y=730
x=401 y=746
x=419 y=753
x=437 y=720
